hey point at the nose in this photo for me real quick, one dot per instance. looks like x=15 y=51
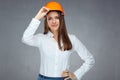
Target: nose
x=53 y=21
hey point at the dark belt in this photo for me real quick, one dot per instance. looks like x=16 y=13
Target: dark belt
x=46 y=77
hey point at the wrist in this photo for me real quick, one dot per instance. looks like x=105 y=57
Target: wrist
x=37 y=18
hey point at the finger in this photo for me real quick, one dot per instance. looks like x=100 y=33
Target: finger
x=66 y=71
x=46 y=8
x=65 y=75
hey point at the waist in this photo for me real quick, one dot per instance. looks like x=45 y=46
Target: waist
x=51 y=71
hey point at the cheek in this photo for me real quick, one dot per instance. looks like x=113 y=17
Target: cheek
x=58 y=21
x=48 y=22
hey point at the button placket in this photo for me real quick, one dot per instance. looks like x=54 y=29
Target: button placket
x=56 y=60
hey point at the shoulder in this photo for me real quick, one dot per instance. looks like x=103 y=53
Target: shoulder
x=71 y=37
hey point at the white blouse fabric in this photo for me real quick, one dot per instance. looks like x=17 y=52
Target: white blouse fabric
x=54 y=61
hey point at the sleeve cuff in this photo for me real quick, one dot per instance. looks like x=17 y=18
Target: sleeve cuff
x=78 y=77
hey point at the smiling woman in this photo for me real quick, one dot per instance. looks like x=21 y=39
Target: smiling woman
x=56 y=45
x=53 y=21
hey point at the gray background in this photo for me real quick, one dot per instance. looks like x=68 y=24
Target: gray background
x=95 y=22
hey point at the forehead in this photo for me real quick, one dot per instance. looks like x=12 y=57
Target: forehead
x=52 y=14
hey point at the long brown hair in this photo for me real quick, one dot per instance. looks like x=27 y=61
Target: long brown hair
x=62 y=32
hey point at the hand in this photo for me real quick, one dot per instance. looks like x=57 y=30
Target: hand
x=68 y=75
x=42 y=12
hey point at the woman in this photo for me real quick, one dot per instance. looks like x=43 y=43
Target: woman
x=56 y=45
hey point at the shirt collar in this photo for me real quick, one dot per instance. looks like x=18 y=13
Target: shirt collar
x=50 y=34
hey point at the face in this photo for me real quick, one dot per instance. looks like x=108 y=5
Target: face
x=53 y=21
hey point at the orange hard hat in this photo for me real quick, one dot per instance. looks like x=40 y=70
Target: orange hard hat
x=53 y=5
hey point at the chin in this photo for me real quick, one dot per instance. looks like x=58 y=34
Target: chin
x=55 y=29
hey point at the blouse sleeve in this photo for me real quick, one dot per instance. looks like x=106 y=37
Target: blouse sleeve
x=85 y=55
x=28 y=36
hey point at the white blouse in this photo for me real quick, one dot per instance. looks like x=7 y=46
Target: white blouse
x=53 y=60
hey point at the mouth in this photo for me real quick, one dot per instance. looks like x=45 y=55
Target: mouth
x=54 y=25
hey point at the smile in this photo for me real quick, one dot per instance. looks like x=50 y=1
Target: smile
x=54 y=25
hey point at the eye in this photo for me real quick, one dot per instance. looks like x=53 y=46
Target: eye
x=49 y=18
x=57 y=17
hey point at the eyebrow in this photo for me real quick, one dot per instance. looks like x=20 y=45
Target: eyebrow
x=54 y=16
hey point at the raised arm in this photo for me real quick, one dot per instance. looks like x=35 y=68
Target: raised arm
x=28 y=36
